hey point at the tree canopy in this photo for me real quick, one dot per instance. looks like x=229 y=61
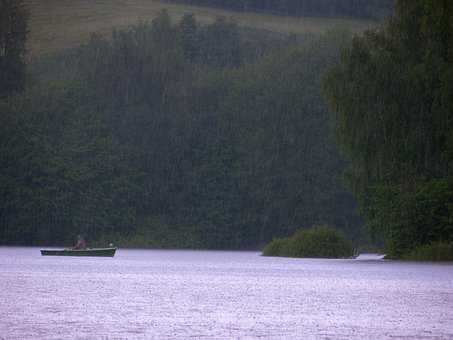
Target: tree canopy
x=174 y=135
x=13 y=32
x=393 y=107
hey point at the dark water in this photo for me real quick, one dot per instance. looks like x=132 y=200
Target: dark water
x=142 y=294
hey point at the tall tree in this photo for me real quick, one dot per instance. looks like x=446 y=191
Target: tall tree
x=393 y=105
x=189 y=37
x=13 y=33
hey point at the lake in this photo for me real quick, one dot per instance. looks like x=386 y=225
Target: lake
x=155 y=294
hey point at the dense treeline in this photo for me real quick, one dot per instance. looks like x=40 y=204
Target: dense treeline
x=175 y=135
x=326 y=8
x=393 y=103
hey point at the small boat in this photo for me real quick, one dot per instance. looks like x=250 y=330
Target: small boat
x=104 y=252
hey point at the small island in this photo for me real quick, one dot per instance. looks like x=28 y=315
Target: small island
x=319 y=241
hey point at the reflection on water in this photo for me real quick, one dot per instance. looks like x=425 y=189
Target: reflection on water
x=147 y=294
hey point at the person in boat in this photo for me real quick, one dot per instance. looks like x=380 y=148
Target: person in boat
x=81 y=244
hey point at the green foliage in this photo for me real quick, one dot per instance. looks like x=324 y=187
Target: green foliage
x=413 y=217
x=436 y=251
x=155 y=233
x=393 y=119
x=275 y=119
x=61 y=171
x=278 y=247
x=316 y=242
x=13 y=32
x=173 y=136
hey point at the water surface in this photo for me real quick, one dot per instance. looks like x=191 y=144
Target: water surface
x=146 y=294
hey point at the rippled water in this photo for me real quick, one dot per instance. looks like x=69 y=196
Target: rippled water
x=148 y=294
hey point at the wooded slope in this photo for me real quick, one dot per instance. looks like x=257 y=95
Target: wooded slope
x=60 y=24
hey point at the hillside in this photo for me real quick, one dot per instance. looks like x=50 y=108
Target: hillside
x=361 y=9
x=60 y=24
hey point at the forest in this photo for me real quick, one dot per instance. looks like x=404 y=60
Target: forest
x=369 y=9
x=173 y=134
x=181 y=135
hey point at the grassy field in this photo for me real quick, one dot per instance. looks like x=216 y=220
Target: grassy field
x=60 y=24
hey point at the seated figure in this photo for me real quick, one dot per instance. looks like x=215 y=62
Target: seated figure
x=81 y=244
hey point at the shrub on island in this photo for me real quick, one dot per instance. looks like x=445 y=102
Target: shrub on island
x=317 y=242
